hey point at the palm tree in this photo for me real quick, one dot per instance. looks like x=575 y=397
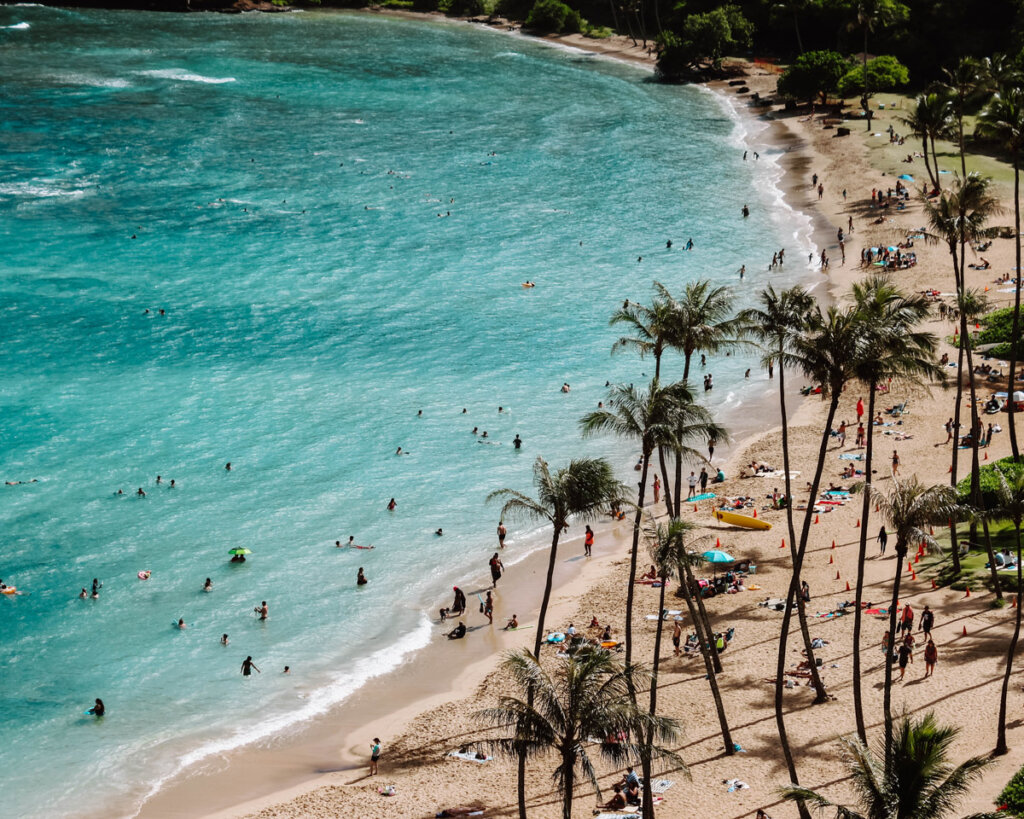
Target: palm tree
x=909 y=509
x=1003 y=119
x=631 y=413
x=895 y=350
x=667 y=548
x=958 y=218
x=703 y=321
x=914 y=782
x=780 y=318
x=588 y=696
x=870 y=15
x=962 y=83
x=584 y=489
x=930 y=118
x=1009 y=506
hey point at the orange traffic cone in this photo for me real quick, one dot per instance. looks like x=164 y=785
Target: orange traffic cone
x=909 y=567
x=830 y=560
x=857 y=526
x=917 y=558
x=964 y=634
x=1013 y=602
x=783 y=544
x=986 y=457
x=913 y=575
x=876 y=507
x=695 y=507
x=934 y=584
x=718 y=543
x=950 y=469
x=837 y=575
x=815 y=518
x=755 y=513
x=931 y=530
x=968 y=592
x=847 y=585
x=833 y=544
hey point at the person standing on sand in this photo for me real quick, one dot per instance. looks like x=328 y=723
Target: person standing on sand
x=588 y=541
x=703 y=479
x=895 y=463
x=496 y=569
x=927 y=622
x=489 y=608
x=502 y=531
x=931 y=656
x=459 y=603
x=692 y=481
x=657 y=488
x=949 y=430
x=677 y=633
x=712 y=443
x=860 y=409
x=906 y=655
x=883 y=541
x=374 y=755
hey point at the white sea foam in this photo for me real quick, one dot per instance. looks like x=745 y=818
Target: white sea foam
x=317 y=703
x=18 y=26
x=38 y=189
x=91 y=80
x=181 y=75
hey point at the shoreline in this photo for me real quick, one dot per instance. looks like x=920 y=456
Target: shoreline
x=309 y=755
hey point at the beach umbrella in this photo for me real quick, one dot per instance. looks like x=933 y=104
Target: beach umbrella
x=240 y=551
x=906 y=177
x=716 y=556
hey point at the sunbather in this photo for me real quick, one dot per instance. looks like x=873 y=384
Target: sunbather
x=617 y=802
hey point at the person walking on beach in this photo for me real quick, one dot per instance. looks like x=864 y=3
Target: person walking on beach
x=907 y=619
x=703 y=479
x=496 y=569
x=657 y=488
x=502 y=531
x=459 y=603
x=489 y=608
x=692 y=481
x=860 y=409
x=588 y=541
x=895 y=463
x=247 y=666
x=905 y=655
x=374 y=755
x=842 y=434
x=712 y=443
x=677 y=633
x=931 y=656
x=927 y=621
x=883 y=540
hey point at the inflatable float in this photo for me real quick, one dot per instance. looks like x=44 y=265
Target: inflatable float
x=744 y=521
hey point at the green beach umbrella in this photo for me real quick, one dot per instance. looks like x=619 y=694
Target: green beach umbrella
x=240 y=551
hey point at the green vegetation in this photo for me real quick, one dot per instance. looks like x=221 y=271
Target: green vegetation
x=1012 y=797
x=998 y=329
x=702 y=41
x=462 y=8
x=990 y=480
x=885 y=73
x=814 y=74
x=553 y=17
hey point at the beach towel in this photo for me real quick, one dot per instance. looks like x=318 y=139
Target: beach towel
x=705 y=496
x=876 y=611
x=468 y=756
x=850 y=456
x=661 y=785
x=633 y=815
x=838 y=493
x=736 y=785
x=778 y=473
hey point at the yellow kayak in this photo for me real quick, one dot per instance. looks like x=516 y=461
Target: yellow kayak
x=745 y=521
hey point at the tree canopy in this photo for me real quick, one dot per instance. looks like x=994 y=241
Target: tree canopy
x=885 y=73
x=813 y=74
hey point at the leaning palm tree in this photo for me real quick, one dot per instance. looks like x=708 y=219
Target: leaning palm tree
x=1003 y=120
x=909 y=509
x=584 y=490
x=915 y=781
x=775 y=324
x=959 y=218
x=632 y=413
x=963 y=83
x=587 y=696
x=1009 y=506
x=872 y=14
x=895 y=350
x=930 y=118
x=651 y=326
x=668 y=546
x=703 y=321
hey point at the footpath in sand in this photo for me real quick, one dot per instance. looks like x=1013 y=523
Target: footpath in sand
x=965 y=687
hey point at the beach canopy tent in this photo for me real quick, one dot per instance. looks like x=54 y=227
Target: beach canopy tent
x=1017 y=396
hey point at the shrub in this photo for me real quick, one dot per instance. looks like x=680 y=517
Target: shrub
x=813 y=73
x=462 y=8
x=597 y=32
x=989 y=479
x=1012 y=795
x=998 y=326
x=885 y=73
x=554 y=17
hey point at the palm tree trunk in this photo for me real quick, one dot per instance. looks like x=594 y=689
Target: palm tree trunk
x=632 y=564
x=864 y=68
x=645 y=759
x=1001 y=734
x=901 y=552
x=796 y=27
x=862 y=551
x=960 y=129
x=541 y=615
x=927 y=164
x=679 y=484
x=704 y=642
x=935 y=159
x=569 y=783
x=1015 y=333
x=716 y=661
x=996 y=585
x=954 y=546
x=664 y=474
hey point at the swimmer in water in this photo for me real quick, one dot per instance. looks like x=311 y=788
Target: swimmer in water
x=287 y=670
x=159 y=480
x=439 y=532
x=98 y=710
x=172 y=483
x=96 y=586
x=223 y=639
x=361 y=578
x=247 y=666
x=141 y=493
x=392 y=504
x=227 y=466
x=181 y=623
x=208 y=585
x=83 y=594
x=400 y=452
x=689 y=244
x=517 y=442
x=528 y=283
x=262 y=610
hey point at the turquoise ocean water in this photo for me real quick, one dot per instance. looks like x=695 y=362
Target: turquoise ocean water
x=274 y=183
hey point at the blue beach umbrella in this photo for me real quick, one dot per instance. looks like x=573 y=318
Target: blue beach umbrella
x=717 y=556
x=906 y=177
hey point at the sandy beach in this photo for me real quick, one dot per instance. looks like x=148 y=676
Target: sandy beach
x=426 y=709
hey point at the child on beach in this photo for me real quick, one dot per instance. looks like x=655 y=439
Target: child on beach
x=374 y=755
